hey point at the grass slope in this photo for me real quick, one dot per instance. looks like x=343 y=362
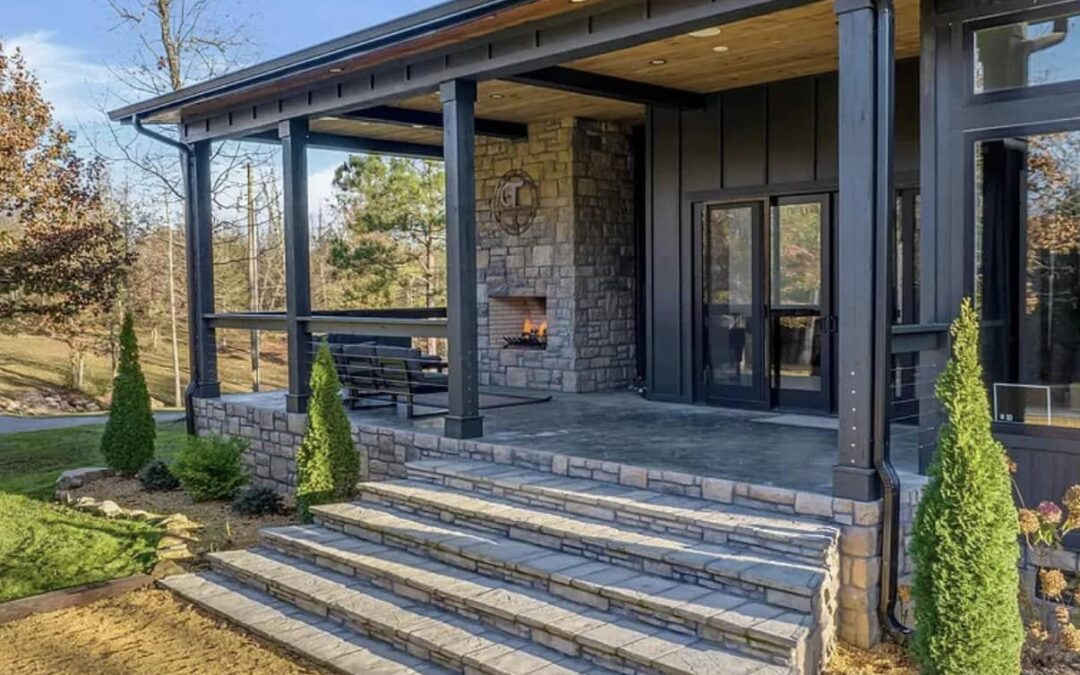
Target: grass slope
x=45 y=546
x=38 y=362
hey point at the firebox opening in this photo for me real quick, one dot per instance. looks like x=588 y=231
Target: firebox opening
x=519 y=322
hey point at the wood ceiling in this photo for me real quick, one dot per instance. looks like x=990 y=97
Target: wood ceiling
x=791 y=43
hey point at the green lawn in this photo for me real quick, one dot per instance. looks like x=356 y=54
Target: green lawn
x=45 y=546
x=31 y=461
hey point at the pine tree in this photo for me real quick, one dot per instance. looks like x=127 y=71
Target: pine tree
x=327 y=463
x=965 y=545
x=128 y=442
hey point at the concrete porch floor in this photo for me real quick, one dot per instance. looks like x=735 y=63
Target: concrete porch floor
x=766 y=448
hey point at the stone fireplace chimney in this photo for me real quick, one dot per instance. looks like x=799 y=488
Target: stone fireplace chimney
x=555 y=244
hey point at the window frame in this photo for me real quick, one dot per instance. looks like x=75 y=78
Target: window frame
x=971 y=139
x=973 y=97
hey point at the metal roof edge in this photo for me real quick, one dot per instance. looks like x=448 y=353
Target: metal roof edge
x=443 y=15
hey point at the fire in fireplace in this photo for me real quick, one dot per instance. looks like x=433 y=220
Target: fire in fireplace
x=533 y=336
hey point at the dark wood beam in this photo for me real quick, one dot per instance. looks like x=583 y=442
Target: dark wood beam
x=293 y=135
x=198 y=214
x=369 y=146
x=607 y=27
x=854 y=476
x=606 y=86
x=463 y=418
x=385 y=114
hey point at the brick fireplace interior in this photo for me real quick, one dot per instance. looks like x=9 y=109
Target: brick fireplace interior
x=507 y=317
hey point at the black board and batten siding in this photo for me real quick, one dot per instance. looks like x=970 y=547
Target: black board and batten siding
x=770 y=140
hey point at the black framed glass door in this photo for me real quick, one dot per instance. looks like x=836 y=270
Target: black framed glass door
x=799 y=313
x=732 y=300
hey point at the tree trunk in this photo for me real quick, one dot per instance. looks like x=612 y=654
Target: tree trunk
x=253 y=278
x=177 y=395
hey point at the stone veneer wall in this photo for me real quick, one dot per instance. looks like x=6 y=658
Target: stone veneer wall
x=578 y=254
x=274 y=436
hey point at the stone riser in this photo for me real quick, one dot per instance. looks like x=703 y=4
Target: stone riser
x=298 y=632
x=580 y=504
x=602 y=553
x=363 y=626
x=548 y=635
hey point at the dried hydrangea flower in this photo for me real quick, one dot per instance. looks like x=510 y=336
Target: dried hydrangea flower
x=1037 y=632
x=1050 y=512
x=1052 y=582
x=1029 y=521
x=1010 y=466
x=1070 y=638
x=1061 y=615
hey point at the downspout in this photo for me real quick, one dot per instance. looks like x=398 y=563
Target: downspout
x=883 y=319
x=187 y=156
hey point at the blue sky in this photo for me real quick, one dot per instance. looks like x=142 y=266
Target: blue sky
x=71 y=44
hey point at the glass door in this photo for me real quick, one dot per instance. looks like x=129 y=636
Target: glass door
x=731 y=302
x=800 y=322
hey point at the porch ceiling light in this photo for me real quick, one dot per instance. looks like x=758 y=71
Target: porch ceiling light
x=337 y=69
x=720 y=49
x=498 y=96
x=657 y=62
x=705 y=33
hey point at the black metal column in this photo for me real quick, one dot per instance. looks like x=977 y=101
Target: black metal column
x=198 y=227
x=459 y=142
x=293 y=134
x=854 y=476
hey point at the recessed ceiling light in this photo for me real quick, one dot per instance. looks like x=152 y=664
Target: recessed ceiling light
x=417 y=126
x=705 y=33
x=576 y=2
x=498 y=96
x=337 y=69
x=720 y=49
x=657 y=62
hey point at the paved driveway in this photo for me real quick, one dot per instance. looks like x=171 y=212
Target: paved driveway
x=10 y=424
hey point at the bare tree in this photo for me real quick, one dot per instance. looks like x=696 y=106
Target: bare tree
x=175 y=43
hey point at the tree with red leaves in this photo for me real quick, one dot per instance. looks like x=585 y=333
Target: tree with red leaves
x=61 y=250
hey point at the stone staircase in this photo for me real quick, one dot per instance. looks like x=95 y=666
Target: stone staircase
x=473 y=567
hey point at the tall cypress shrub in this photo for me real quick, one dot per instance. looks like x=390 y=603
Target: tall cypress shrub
x=128 y=442
x=964 y=543
x=327 y=464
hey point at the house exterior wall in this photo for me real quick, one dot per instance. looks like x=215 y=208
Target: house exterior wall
x=577 y=256
x=778 y=139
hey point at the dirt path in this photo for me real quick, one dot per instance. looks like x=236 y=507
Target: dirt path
x=144 y=632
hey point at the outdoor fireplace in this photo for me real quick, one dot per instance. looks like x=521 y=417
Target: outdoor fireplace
x=518 y=322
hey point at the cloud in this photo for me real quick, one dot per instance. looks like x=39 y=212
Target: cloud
x=70 y=80
x=321 y=186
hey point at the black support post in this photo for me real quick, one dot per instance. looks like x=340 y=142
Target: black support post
x=293 y=134
x=459 y=142
x=854 y=476
x=198 y=226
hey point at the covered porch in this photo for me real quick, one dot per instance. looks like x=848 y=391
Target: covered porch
x=584 y=143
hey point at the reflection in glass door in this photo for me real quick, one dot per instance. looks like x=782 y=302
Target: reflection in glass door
x=731 y=299
x=800 y=325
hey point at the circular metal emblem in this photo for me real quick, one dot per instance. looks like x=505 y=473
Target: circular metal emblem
x=515 y=201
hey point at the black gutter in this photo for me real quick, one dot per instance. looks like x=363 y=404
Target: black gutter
x=417 y=24
x=188 y=156
x=883 y=319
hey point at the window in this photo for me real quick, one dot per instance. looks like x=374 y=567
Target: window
x=1027 y=53
x=1027 y=276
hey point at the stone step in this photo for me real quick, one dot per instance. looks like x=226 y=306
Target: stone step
x=407 y=624
x=317 y=639
x=531 y=612
x=645 y=597
x=710 y=521
x=790 y=584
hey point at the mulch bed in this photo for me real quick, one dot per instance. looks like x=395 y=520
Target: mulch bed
x=223 y=528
